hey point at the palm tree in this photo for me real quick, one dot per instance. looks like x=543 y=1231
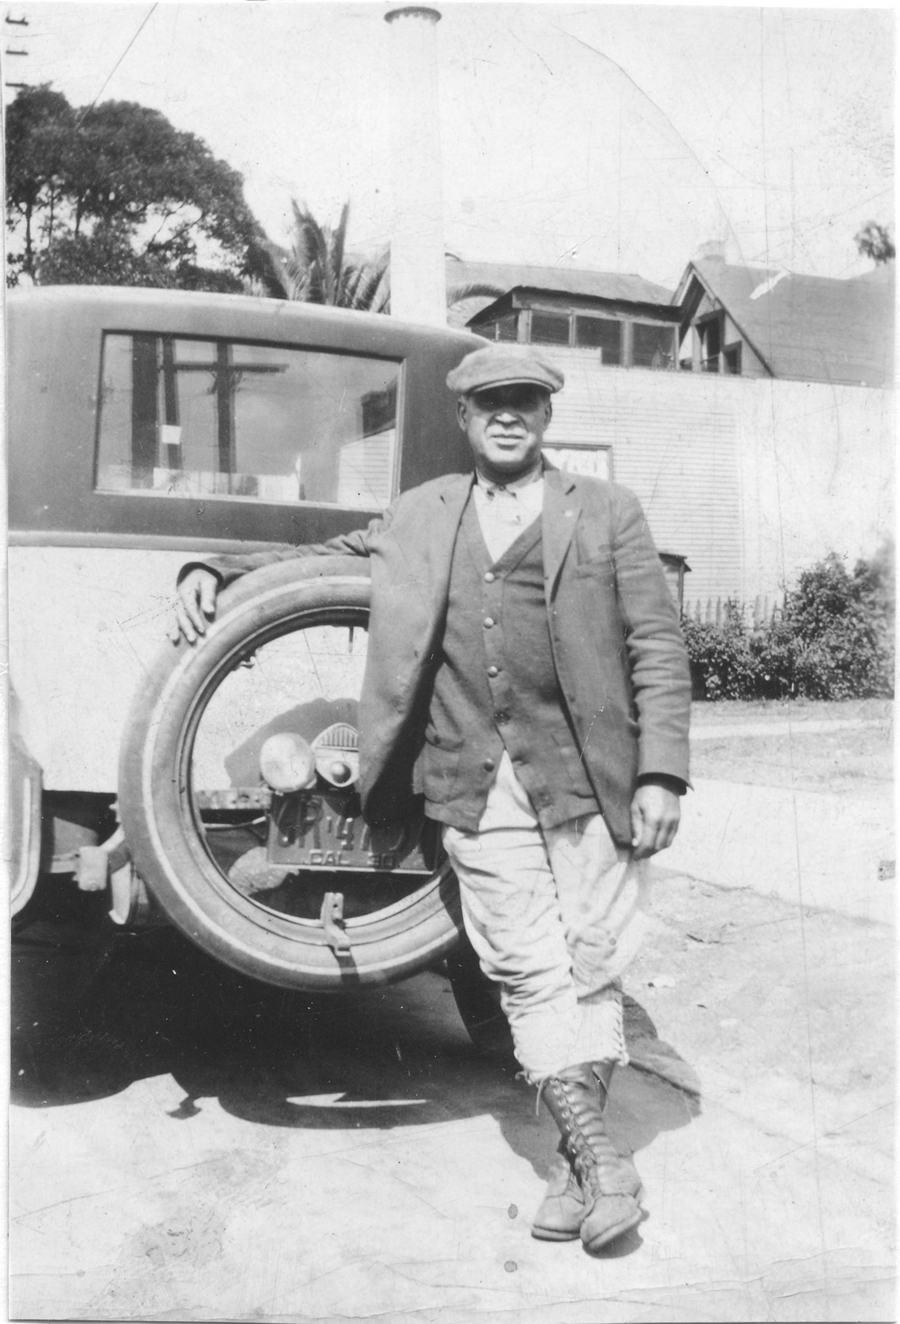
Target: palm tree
x=317 y=269
x=875 y=241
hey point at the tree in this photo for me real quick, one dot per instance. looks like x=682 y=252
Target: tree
x=317 y=269
x=40 y=125
x=874 y=241
x=104 y=257
x=839 y=625
x=115 y=194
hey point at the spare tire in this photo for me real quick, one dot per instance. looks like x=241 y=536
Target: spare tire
x=287 y=646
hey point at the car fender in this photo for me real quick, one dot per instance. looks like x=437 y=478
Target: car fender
x=22 y=838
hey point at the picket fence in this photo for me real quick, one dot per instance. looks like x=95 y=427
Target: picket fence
x=711 y=611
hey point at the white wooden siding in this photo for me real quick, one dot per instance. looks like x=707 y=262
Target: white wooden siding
x=751 y=479
x=673 y=444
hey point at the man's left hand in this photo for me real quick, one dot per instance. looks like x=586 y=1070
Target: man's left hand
x=655 y=813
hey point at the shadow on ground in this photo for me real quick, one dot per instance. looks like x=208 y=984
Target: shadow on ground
x=385 y=1058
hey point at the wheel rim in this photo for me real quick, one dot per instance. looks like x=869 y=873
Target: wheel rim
x=300 y=674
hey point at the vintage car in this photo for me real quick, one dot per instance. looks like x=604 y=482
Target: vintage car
x=214 y=787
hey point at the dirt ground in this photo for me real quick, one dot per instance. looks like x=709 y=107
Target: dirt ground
x=197 y=1148
x=790 y=748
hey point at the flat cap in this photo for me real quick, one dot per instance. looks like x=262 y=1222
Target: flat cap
x=501 y=365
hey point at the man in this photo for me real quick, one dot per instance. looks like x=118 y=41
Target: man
x=526 y=674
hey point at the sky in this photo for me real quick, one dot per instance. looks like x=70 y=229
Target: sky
x=618 y=137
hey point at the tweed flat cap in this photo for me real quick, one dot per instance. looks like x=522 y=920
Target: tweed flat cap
x=501 y=365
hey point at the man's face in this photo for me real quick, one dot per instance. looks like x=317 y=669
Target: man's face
x=505 y=426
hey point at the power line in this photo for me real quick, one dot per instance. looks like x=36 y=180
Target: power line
x=112 y=71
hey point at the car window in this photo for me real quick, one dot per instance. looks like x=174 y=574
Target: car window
x=183 y=416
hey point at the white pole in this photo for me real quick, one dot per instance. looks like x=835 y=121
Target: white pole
x=418 y=282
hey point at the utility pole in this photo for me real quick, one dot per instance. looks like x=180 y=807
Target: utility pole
x=418 y=280
x=14 y=52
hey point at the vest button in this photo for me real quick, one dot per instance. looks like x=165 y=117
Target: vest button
x=488 y=765
x=489 y=577
x=488 y=622
x=501 y=716
x=493 y=671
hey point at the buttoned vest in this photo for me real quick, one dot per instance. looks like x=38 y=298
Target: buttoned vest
x=496 y=688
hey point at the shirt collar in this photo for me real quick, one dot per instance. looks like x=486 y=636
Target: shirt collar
x=514 y=486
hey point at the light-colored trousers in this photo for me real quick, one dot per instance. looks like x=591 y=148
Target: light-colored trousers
x=554 y=915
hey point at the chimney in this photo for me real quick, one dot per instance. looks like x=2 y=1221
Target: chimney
x=418 y=280
x=712 y=251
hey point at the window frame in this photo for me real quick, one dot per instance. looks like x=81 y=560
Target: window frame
x=53 y=343
x=727 y=352
x=218 y=340
x=626 y=322
x=567 y=317
x=671 y=327
x=600 y=317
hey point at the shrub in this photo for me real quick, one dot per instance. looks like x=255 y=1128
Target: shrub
x=722 y=664
x=833 y=639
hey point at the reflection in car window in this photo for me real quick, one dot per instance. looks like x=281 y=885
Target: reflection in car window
x=217 y=418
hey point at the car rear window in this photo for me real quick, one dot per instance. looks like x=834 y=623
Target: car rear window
x=192 y=417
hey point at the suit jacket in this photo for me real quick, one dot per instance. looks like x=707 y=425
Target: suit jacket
x=619 y=655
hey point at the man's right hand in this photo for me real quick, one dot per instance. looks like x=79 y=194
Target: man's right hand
x=195 y=604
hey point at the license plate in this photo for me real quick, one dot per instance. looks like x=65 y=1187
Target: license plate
x=327 y=833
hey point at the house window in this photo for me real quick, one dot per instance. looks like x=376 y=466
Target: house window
x=710 y=334
x=732 y=360
x=622 y=342
x=601 y=333
x=653 y=346
x=507 y=328
x=549 y=328
x=715 y=355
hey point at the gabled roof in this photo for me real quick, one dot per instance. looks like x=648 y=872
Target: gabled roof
x=810 y=328
x=563 y=280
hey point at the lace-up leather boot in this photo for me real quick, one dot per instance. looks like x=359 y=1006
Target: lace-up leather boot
x=608 y=1184
x=561 y=1212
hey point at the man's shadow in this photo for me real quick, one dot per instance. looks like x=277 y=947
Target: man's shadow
x=380 y=1059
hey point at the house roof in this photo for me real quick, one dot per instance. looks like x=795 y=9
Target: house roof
x=811 y=328
x=583 y=281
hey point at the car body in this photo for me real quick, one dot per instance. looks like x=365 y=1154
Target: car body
x=150 y=427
